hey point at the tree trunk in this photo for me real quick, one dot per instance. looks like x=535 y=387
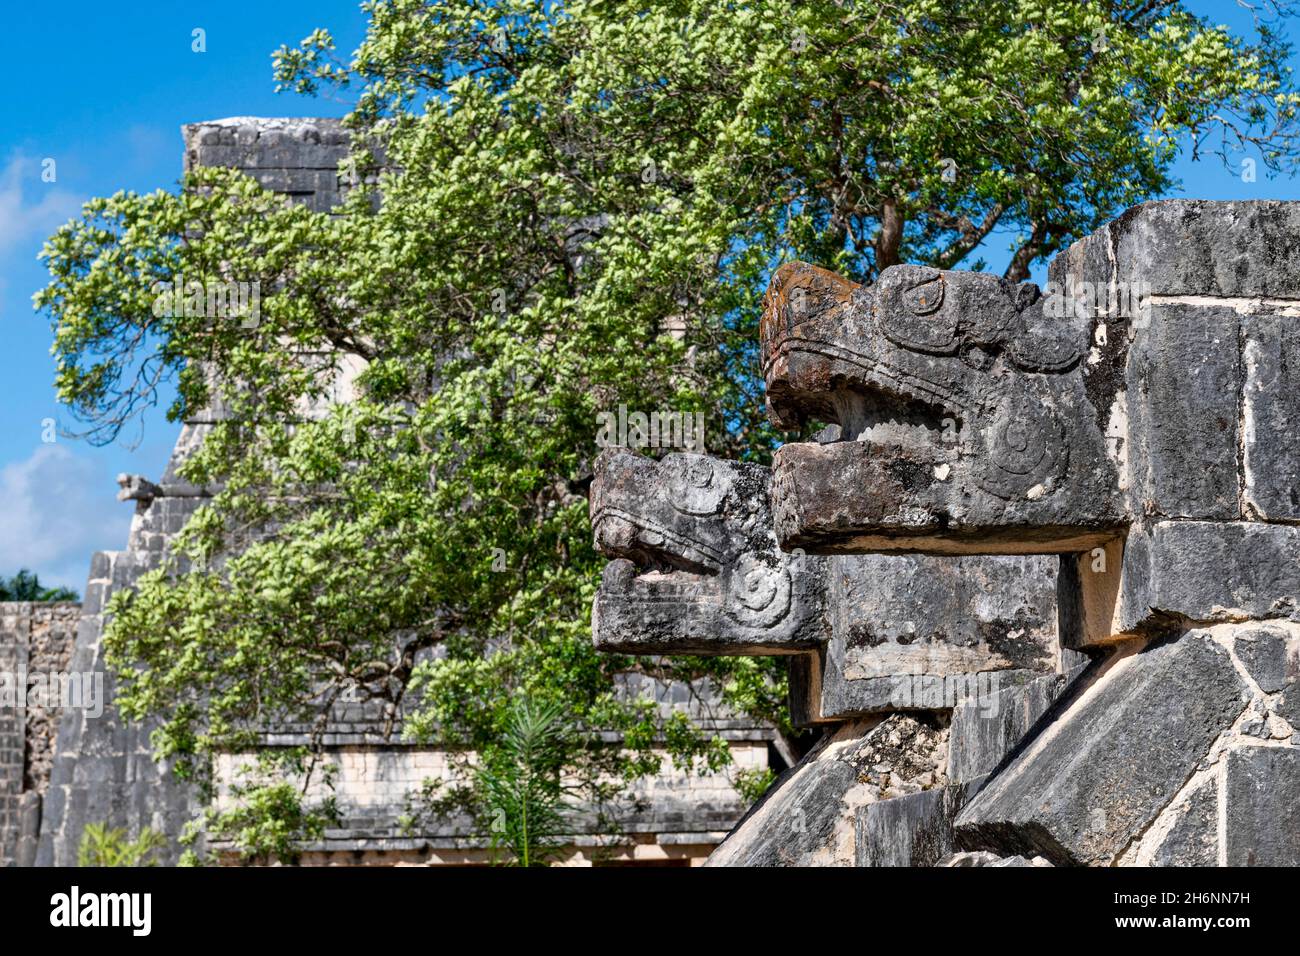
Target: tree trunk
x=890 y=238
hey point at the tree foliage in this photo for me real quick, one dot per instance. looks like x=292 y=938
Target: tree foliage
x=272 y=803
x=26 y=586
x=558 y=208
x=521 y=782
x=102 y=845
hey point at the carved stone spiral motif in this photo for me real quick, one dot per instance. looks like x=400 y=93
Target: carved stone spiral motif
x=1025 y=446
x=758 y=594
x=694 y=486
x=910 y=309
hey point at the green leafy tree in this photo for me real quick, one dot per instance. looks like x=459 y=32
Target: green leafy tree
x=26 y=586
x=102 y=845
x=270 y=808
x=578 y=206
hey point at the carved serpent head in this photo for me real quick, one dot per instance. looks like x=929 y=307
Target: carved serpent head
x=696 y=565
x=962 y=412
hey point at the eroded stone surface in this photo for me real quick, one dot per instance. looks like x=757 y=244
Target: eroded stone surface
x=985 y=730
x=964 y=417
x=1184 y=384
x=913 y=830
x=926 y=633
x=1198 y=247
x=1271 y=415
x=807 y=818
x=1111 y=762
x=36 y=641
x=1192 y=836
x=696 y=567
x=1288 y=706
x=1269 y=655
x=1210 y=571
x=1263 y=807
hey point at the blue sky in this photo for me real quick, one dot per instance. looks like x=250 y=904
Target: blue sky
x=104 y=90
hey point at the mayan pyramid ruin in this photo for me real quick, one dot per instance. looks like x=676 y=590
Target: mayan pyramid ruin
x=1037 y=581
x=63 y=770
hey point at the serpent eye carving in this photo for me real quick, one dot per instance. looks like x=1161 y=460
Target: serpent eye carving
x=699 y=473
x=694 y=485
x=925 y=299
x=909 y=305
x=758 y=595
x=1025 y=447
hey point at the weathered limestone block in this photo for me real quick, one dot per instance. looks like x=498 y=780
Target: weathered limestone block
x=913 y=830
x=36 y=691
x=911 y=632
x=696 y=568
x=1271 y=413
x=712 y=580
x=12 y=732
x=29 y=828
x=1209 y=572
x=1238 y=807
x=1184 y=383
x=1288 y=705
x=986 y=729
x=294 y=156
x=102 y=769
x=906 y=615
x=1270 y=654
x=1262 y=825
x=1204 y=248
x=1190 y=837
x=1109 y=764
x=807 y=817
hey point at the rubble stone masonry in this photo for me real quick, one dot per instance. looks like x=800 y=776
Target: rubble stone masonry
x=35 y=642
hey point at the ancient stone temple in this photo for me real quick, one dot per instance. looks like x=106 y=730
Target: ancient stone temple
x=1037 y=579
x=64 y=769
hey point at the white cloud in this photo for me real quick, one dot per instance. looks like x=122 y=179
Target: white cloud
x=30 y=209
x=59 y=509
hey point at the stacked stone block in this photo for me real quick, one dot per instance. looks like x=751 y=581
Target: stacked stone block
x=1136 y=417
x=12 y=742
x=297 y=157
x=36 y=641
